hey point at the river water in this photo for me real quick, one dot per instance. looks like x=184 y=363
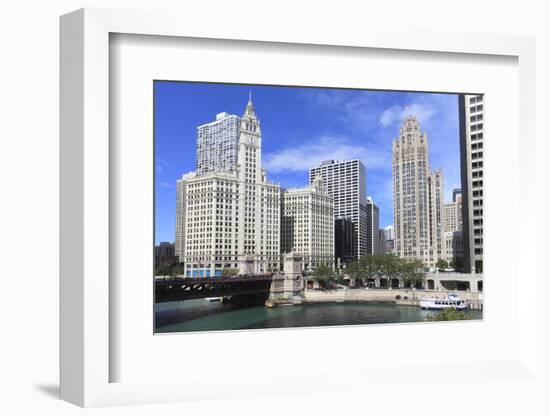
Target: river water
x=202 y=315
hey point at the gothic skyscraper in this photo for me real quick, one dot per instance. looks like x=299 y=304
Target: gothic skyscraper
x=227 y=213
x=418 y=197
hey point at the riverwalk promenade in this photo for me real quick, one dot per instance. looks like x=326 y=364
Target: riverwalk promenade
x=398 y=296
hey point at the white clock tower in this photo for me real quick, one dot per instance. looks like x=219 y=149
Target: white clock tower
x=259 y=201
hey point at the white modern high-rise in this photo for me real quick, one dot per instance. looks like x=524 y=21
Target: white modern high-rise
x=471 y=110
x=373 y=227
x=218 y=144
x=418 y=197
x=228 y=216
x=307 y=225
x=345 y=182
x=389 y=233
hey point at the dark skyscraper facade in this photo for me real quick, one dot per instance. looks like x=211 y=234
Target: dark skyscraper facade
x=344 y=241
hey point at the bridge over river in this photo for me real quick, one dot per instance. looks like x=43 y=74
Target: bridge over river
x=178 y=288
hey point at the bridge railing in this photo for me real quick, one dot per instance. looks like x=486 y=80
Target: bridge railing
x=239 y=277
x=178 y=288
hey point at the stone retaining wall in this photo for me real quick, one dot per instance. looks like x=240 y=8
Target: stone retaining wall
x=386 y=295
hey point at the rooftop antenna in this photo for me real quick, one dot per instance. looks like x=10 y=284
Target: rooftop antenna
x=250 y=95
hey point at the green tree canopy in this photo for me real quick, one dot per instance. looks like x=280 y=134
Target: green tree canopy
x=387 y=266
x=230 y=272
x=412 y=272
x=169 y=270
x=353 y=270
x=449 y=314
x=442 y=264
x=367 y=267
x=322 y=273
x=340 y=276
x=457 y=263
x=370 y=265
x=392 y=266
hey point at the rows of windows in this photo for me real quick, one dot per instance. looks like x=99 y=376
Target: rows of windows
x=217 y=145
x=477 y=174
x=476 y=99
x=476 y=108
x=477 y=117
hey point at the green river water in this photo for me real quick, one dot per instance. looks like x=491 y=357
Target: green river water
x=202 y=315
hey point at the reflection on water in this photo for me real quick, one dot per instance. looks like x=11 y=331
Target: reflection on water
x=202 y=315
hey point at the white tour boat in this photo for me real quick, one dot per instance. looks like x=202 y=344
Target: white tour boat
x=452 y=301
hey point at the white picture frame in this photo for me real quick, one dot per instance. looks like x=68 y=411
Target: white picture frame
x=86 y=291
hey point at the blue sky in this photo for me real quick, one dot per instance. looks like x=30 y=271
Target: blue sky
x=300 y=128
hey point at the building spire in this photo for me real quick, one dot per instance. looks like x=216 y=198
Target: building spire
x=249 y=110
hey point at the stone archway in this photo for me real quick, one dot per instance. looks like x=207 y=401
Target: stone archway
x=384 y=283
x=395 y=283
x=430 y=284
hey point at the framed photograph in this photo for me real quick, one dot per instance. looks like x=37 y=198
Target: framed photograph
x=287 y=200
x=288 y=220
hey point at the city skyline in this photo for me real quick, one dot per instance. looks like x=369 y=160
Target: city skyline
x=301 y=128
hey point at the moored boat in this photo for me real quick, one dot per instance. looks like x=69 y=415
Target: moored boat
x=451 y=301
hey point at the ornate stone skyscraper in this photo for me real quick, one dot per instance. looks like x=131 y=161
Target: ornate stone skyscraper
x=417 y=197
x=259 y=202
x=411 y=170
x=228 y=215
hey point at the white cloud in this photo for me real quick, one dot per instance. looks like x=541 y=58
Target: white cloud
x=161 y=164
x=166 y=185
x=303 y=157
x=397 y=113
x=327 y=98
x=355 y=108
